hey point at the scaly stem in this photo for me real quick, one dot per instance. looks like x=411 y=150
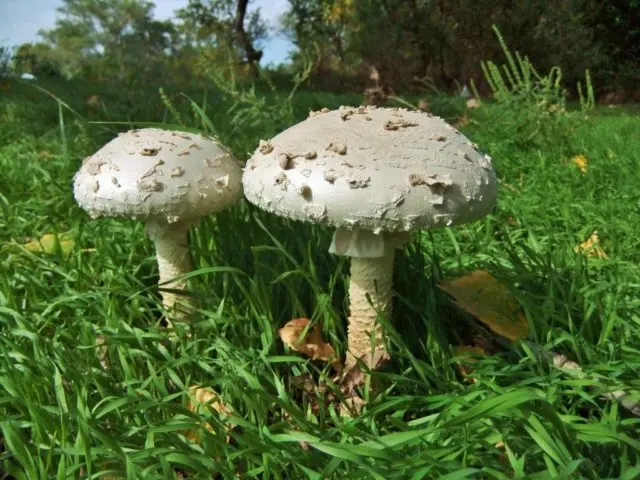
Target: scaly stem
x=174 y=260
x=372 y=276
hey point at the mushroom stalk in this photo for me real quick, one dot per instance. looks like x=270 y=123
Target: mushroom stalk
x=372 y=277
x=174 y=260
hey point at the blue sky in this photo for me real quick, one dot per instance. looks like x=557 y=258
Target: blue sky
x=20 y=21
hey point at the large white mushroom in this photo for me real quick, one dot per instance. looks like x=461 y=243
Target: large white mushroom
x=168 y=180
x=374 y=174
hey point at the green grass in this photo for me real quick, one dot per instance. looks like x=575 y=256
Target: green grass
x=62 y=415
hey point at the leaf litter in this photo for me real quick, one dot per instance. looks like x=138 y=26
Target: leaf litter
x=490 y=302
x=300 y=336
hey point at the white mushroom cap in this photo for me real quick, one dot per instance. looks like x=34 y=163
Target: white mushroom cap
x=376 y=169
x=157 y=174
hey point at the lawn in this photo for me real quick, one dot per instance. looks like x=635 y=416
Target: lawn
x=73 y=408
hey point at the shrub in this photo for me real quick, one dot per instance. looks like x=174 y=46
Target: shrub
x=530 y=109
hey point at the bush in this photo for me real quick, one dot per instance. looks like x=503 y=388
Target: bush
x=530 y=109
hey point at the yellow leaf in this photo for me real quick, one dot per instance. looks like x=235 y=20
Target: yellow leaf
x=480 y=294
x=310 y=343
x=50 y=242
x=338 y=11
x=201 y=399
x=473 y=103
x=581 y=162
x=591 y=247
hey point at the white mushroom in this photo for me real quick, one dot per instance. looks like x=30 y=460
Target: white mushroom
x=376 y=175
x=167 y=179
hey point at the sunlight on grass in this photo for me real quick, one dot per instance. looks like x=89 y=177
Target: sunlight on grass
x=62 y=413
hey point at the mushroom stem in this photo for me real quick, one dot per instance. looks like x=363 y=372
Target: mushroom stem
x=372 y=276
x=174 y=260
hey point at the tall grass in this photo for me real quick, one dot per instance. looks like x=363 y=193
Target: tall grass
x=63 y=415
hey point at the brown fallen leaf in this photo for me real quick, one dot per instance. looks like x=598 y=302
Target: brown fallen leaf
x=352 y=406
x=462 y=121
x=298 y=336
x=102 y=352
x=93 y=102
x=424 y=105
x=480 y=294
x=581 y=162
x=464 y=365
x=473 y=103
x=356 y=377
x=591 y=247
x=200 y=400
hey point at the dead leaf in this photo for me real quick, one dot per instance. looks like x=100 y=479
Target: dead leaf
x=356 y=377
x=473 y=103
x=581 y=162
x=424 y=105
x=462 y=121
x=298 y=337
x=480 y=294
x=591 y=247
x=200 y=400
x=103 y=352
x=352 y=406
x=50 y=242
x=93 y=102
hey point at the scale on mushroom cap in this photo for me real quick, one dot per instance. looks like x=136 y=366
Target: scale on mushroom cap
x=374 y=174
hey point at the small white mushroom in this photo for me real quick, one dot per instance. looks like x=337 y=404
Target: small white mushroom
x=401 y=171
x=168 y=204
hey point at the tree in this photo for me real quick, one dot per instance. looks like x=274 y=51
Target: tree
x=5 y=62
x=108 y=38
x=225 y=24
x=35 y=58
x=321 y=30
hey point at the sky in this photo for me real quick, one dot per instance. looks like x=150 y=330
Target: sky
x=20 y=21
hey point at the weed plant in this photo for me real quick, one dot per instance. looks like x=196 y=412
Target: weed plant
x=530 y=109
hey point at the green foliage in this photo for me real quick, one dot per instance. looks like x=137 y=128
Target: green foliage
x=39 y=59
x=425 y=43
x=5 y=62
x=63 y=414
x=251 y=114
x=118 y=40
x=616 y=30
x=587 y=98
x=530 y=108
x=215 y=23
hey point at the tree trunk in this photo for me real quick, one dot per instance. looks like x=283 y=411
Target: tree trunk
x=253 y=55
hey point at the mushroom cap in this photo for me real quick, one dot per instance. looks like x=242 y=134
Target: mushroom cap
x=158 y=174
x=377 y=169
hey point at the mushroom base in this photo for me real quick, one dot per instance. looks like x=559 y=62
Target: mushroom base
x=372 y=277
x=174 y=260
